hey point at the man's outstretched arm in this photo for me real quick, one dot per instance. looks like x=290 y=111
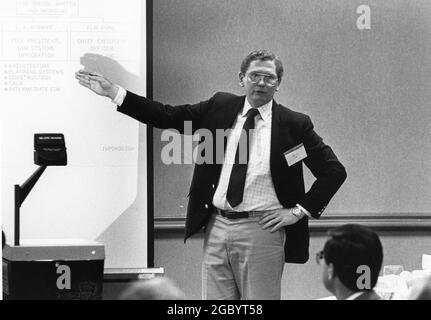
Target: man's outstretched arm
x=147 y=111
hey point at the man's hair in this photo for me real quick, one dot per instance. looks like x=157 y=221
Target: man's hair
x=351 y=246
x=263 y=55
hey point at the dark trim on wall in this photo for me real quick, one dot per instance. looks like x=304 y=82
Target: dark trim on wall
x=149 y=134
x=386 y=222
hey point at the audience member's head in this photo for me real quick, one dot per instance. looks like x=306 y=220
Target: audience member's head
x=421 y=289
x=352 y=259
x=158 y=288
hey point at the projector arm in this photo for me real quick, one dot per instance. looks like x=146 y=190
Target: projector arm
x=21 y=192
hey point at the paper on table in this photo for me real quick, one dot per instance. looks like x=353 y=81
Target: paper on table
x=426 y=262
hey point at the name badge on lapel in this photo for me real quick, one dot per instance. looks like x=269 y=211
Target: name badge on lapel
x=295 y=154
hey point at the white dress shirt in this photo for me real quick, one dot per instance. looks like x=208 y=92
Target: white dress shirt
x=259 y=192
x=119 y=98
x=355 y=295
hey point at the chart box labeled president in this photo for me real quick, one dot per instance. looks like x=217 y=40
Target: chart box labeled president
x=53 y=269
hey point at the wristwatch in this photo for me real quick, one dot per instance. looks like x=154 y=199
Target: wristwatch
x=297 y=212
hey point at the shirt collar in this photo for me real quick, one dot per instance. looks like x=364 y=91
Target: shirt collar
x=355 y=295
x=264 y=111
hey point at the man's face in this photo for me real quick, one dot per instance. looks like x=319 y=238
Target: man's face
x=260 y=82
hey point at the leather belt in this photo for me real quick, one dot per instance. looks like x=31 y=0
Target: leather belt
x=239 y=214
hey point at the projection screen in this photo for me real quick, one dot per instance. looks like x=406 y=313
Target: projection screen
x=102 y=193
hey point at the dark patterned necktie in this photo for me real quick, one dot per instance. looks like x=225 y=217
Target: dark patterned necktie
x=235 y=190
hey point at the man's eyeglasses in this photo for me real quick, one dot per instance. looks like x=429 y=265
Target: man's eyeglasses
x=319 y=256
x=269 y=80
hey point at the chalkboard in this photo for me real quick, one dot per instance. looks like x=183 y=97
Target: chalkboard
x=360 y=70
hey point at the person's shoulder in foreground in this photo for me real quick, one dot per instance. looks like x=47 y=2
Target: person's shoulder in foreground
x=159 y=288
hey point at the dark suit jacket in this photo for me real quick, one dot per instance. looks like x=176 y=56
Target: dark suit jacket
x=289 y=129
x=369 y=295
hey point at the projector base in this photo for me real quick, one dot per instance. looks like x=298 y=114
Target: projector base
x=53 y=272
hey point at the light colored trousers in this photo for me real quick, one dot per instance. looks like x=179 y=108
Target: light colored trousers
x=242 y=261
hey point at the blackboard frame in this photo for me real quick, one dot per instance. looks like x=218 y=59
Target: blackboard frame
x=149 y=134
